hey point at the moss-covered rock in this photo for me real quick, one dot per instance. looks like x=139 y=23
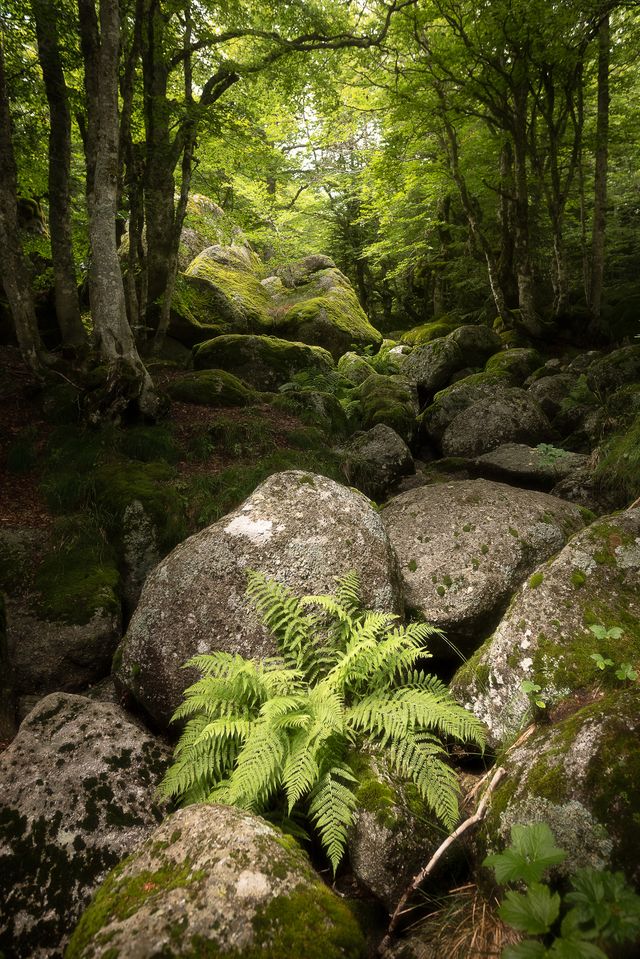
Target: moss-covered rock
x=215 y=881
x=265 y=362
x=465 y=546
x=324 y=311
x=518 y=363
x=510 y=416
x=315 y=407
x=77 y=787
x=356 y=368
x=608 y=373
x=427 y=332
x=211 y=388
x=545 y=636
x=391 y=400
x=618 y=469
x=375 y=460
x=537 y=467
x=432 y=365
x=579 y=776
x=454 y=399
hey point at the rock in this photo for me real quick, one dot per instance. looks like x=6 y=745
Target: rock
x=580 y=776
x=511 y=416
x=322 y=409
x=608 y=373
x=211 y=388
x=302 y=529
x=300 y=272
x=355 y=368
x=375 y=460
x=213 y=880
x=77 y=789
x=517 y=363
x=62 y=607
x=465 y=546
x=535 y=467
x=323 y=310
x=551 y=392
x=393 y=833
x=434 y=330
x=203 y=226
x=392 y=400
x=581 y=486
x=140 y=552
x=457 y=398
x=264 y=362
x=545 y=637
x=432 y=365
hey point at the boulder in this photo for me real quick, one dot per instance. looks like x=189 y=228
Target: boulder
x=264 y=362
x=608 y=373
x=458 y=397
x=517 y=364
x=217 y=881
x=432 y=365
x=63 y=611
x=545 y=636
x=318 y=407
x=539 y=467
x=300 y=272
x=511 y=416
x=433 y=330
x=323 y=310
x=211 y=388
x=393 y=832
x=77 y=787
x=392 y=400
x=375 y=460
x=299 y=528
x=552 y=392
x=355 y=368
x=465 y=546
x=580 y=776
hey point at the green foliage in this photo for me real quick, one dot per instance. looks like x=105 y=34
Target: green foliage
x=277 y=732
x=624 y=671
x=599 y=910
x=549 y=454
x=533 y=691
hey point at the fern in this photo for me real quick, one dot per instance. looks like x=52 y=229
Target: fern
x=275 y=734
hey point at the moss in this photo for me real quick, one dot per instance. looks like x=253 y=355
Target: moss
x=412 y=565
x=265 y=362
x=516 y=363
x=79 y=575
x=118 y=484
x=536 y=580
x=440 y=590
x=389 y=400
x=578 y=579
x=430 y=331
x=226 y=294
x=211 y=388
x=618 y=469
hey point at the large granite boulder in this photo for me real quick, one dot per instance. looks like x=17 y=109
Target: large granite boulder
x=264 y=362
x=374 y=461
x=464 y=547
x=392 y=400
x=356 y=368
x=299 y=528
x=322 y=309
x=510 y=416
x=431 y=366
x=545 y=636
x=537 y=467
x=580 y=776
x=552 y=392
x=77 y=786
x=217 y=881
x=455 y=399
x=517 y=363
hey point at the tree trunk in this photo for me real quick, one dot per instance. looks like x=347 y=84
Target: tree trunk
x=127 y=380
x=505 y=222
x=529 y=319
x=600 y=185
x=73 y=333
x=16 y=279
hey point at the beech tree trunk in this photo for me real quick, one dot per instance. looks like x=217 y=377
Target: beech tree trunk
x=65 y=283
x=128 y=381
x=598 y=234
x=526 y=299
x=16 y=278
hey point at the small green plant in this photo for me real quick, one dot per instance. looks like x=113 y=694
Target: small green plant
x=601 y=632
x=600 y=661
x=624 y=671
x=533 y=691
x=277 y=733
x=599 y=911
x=549 y=454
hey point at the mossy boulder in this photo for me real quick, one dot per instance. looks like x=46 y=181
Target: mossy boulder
x=510 y=416
x=356 y=368
x=301 y=528
x=433 y=330
x=63 y=603
x=216 y=881
x=580 y=776
x=518 y=363
x=618 y=469
x=292 y=275
x=432 y=365
x=324 y=311
x=464 y=547
x=211 y=388
x=537 y=467
x=77 y=787
x=393 y=832
x=545 y=636
x=375 y=460
x=204 y=225
x=392 y=400
x=316 y=407
x=458 y=397
x=608 y=373
x=551 y=392
x=264 y=362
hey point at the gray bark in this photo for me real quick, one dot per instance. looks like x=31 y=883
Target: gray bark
x=600 y=185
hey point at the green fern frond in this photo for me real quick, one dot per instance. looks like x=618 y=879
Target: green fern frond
x=331 y=808
x=348 y=593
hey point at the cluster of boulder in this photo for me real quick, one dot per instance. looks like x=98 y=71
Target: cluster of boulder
x=493 y=528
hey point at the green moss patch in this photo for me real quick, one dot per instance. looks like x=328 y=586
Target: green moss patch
x=211 y=388
x=427 y=332
x=265 y=362
x=389 y=400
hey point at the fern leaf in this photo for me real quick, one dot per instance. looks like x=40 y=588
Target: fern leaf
x=331 y=808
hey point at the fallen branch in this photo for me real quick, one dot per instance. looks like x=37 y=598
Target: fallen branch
x=438 y=854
